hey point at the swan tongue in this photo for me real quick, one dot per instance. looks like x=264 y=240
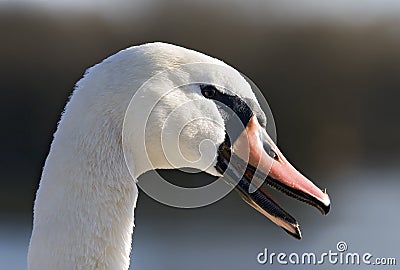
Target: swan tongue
x=253 y=162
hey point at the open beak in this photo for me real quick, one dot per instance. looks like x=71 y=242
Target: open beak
x=253 y=162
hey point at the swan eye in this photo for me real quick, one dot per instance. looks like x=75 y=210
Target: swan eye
x=208 y=91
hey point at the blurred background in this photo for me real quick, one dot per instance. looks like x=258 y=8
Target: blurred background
x=329 y=70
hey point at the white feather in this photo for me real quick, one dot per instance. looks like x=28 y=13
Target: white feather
x=84 y=209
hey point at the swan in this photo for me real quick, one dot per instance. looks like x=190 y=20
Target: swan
x=84 y=206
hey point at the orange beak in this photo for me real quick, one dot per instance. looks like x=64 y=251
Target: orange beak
x=254 y=162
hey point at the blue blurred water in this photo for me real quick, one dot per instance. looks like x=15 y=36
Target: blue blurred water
x=364 y=214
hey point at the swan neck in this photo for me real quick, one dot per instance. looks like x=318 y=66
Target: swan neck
x=84 y=208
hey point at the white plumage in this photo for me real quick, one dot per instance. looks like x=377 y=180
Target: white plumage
x=141 y=109
x=84 y=209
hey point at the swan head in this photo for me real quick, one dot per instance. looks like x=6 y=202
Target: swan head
x=189 y=110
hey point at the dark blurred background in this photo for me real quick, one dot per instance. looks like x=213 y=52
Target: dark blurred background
x=330 y=72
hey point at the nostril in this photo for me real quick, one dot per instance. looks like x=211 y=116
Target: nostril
x=269 y=150
x=273 y=154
